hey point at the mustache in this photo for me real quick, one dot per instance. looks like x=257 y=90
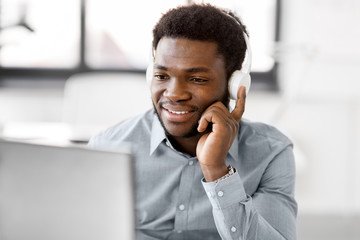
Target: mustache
x=171 y=103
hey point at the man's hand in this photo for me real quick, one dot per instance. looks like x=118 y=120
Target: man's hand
x=213 y=147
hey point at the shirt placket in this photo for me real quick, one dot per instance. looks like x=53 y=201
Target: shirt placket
x=183 y=203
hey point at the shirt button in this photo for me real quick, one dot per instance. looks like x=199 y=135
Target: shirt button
x=181 y=207
x=220 y=193
x=233 y=229
x=191 y=162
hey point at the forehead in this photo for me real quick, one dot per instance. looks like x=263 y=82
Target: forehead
x=188 y=52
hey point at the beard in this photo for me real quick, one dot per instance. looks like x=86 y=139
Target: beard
x=191 y=133
x=193 y=129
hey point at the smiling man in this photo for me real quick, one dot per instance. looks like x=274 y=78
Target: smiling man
x=201 y=170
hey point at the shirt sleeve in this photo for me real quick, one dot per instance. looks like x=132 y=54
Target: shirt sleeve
x=270 y=213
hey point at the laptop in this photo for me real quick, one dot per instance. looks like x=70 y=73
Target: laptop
x=67 y=192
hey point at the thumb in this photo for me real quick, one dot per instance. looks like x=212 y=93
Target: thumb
x=240 y=104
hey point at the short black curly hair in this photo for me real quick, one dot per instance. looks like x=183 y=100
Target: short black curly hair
x=205 y=22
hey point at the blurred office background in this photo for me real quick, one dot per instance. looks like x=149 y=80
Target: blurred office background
x=70 y=68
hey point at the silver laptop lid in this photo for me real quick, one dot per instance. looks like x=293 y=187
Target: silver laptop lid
x=65 y=192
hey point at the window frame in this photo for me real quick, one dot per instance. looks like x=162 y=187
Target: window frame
x=260 y=80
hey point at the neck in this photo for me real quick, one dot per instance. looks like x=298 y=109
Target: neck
x=185 y=144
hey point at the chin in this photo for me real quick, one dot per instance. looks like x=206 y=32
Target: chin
x=181 y=131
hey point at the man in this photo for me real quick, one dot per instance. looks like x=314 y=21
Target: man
x=199 y=168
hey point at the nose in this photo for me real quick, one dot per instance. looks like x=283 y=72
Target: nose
x=177 y=90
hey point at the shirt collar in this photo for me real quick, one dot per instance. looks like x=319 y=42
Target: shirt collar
x=158 y=136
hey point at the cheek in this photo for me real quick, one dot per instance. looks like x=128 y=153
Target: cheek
x=155 y=92
x=204 y=99
x=223 y=91
x=218 y=93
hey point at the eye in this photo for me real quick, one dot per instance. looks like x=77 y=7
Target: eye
x=161 y=77
x=199 y=80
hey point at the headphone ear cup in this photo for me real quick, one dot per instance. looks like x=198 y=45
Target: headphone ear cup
x=238 y=79
x=149 y=74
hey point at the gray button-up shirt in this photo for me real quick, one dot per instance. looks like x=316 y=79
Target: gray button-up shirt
x=173 y=201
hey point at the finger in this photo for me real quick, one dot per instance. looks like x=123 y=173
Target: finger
x=218 y=107
x=213 y=114
x=203 y=124
x=240 y=104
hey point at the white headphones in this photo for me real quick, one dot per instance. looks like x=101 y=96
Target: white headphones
x=241 y=77
x=238 y=78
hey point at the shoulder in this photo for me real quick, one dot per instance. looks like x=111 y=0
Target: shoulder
x=264 y=154
x=261 y=140
x=256 y=130
x=130 y=130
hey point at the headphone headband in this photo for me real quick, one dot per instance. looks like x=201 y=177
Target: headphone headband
x=248 y=55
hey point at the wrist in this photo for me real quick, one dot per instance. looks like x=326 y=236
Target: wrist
x=230 y=172
x=212 y=173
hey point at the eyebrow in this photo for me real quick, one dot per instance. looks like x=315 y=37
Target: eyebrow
x=200 y=69
x=189 y=70
x=161 y=67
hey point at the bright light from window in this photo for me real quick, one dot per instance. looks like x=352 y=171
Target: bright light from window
x=46 y=33
x=119 y=34
x=39 y=33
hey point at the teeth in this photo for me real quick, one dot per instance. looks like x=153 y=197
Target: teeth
x=176 y=112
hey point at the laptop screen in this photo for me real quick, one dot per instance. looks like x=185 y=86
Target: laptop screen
x=65 y=192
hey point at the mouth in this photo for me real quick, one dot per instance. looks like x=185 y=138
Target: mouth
x=177 y=114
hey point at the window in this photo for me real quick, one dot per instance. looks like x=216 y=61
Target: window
x=39 y=33
x=67 y=36
x=120 y=37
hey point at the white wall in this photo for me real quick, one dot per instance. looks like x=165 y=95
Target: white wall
x=31 y=105
x=320 y=57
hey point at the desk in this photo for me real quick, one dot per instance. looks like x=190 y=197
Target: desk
x=49 y=131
